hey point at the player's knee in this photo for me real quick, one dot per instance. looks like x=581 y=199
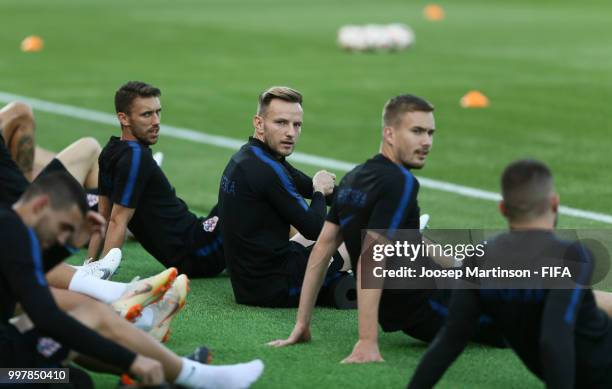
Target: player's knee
x=90 y=145
x=20 y=110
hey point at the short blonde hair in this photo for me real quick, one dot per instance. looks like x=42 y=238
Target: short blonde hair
x=277 y=92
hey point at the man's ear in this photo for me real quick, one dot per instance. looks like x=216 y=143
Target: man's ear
x=123 y=119
x=502 y=208
x=258 y=124
x=388 y=135
x=555 y=201
x=39 y=203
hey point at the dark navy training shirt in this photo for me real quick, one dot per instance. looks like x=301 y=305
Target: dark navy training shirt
x=560 y=335
x=260 y=196
x=382 y=195
x=22 y=280
x=130 y=177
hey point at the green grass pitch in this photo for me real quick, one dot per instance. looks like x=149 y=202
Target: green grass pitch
x=545 y=66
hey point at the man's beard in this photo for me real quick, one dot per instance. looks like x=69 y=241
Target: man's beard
x=144 y=140
x=275 y=150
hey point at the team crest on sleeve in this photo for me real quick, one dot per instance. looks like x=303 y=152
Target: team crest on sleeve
x=92 y=199
x=47 y=347
x=210 y=224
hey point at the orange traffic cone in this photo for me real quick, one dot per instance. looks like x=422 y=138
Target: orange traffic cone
x=474 y=99
x=433 y=13
x=32 y=44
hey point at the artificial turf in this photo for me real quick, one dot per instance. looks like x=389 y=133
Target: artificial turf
x=544 y=65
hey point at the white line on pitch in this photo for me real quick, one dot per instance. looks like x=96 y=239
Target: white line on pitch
x=308 y=159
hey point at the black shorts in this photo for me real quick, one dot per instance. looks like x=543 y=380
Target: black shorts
x=204 y=256
x=57 y=166
x=30 y=349
x=297 y=261
x=13 y=181
x=54 y=166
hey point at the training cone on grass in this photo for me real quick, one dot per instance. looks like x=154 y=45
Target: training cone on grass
x=474 y=99
x=433 y=13
x=32 y=44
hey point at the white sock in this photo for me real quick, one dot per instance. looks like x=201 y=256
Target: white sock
x=105 y=291
x=188 y=372
x=145 y=320
x=199 y=376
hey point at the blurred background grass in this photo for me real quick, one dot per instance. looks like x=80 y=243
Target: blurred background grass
x=544 y=65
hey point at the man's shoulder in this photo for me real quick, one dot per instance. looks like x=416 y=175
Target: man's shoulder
x=378 y=175
x=112 y=151
x=256 y=162
x=243 y=154
x=113 y=144
x=14 y=231
x=9 y=217
x=382 y=168
x=119 y=153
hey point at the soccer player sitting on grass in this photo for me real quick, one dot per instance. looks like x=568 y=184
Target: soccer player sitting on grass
x=80 y=160
x=135 y=193
x=53 y=210
x=380 y=194
x=260 y=196
x=21 y=162
x=560 y=334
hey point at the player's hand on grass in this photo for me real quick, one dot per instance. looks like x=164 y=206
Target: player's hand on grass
x=94 y=223
x=300 y=334
x=324 y=182
x=365 y=351
x=148 y=371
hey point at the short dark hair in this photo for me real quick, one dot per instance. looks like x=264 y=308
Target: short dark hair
x=63 y=190
x=277 y=92
x=526 y=189
x=396 y=106
x=129 y=91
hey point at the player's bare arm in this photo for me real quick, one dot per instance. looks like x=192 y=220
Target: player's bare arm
x=97 y=240
x=328 y=242
x=117 y=226
x=368 y=300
